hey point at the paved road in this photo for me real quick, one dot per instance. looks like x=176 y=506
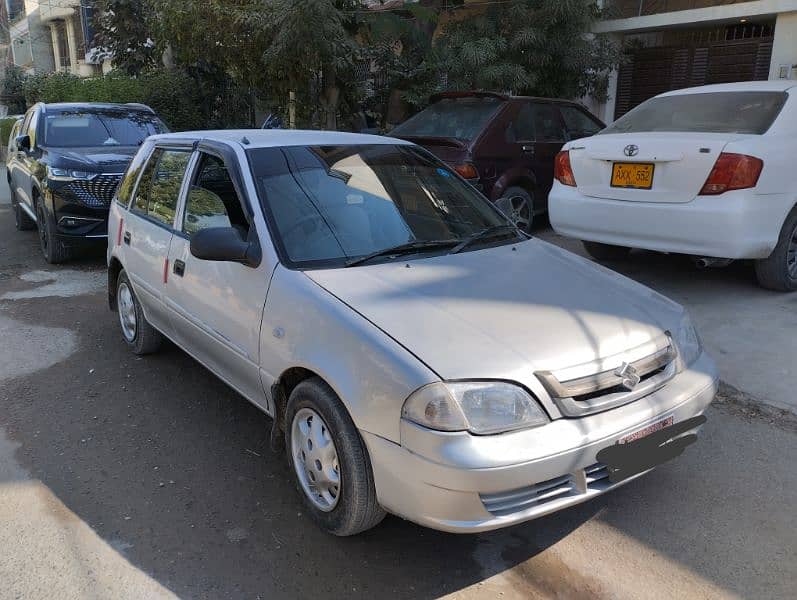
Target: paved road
x=123 y=477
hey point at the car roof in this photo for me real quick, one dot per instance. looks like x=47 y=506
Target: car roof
x=100 y=105
x=270 y=138
x=487 y=94
x=777 y=85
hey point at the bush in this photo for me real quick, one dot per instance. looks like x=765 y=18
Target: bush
x=180 y=100
x=5 y=129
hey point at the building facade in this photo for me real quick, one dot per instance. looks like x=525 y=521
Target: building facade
x=675 y=44
x=51 y=35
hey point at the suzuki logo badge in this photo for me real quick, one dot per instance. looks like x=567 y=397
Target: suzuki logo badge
x=628 y=374
x=631 y=150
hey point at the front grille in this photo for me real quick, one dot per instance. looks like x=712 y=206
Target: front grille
x=96 y=192
x=604 y=389
x=595 y=476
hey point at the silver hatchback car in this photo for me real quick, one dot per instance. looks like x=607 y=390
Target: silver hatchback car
x=419 y=355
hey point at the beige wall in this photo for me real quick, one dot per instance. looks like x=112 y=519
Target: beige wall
x=784 y=50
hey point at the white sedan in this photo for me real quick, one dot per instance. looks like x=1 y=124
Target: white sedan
x=707 y=171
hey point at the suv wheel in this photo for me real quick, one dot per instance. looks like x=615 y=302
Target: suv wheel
x=779 y=271
x=329 y=461
x=140 y=336
x=600 y=251
x=518 y=204
x=53 y=249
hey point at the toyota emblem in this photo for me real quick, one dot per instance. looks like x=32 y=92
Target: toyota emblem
x=631 y=150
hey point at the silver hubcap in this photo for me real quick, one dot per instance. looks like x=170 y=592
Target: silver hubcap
x=791 y=255
x=315 y=459
x=127 y=312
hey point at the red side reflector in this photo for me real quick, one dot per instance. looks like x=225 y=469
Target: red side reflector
x=467 y=170
x=562 y=170
x=732 y=172
x=119 y=233
x=165 y=270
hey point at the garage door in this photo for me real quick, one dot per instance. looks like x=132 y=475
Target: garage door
x=651 y=71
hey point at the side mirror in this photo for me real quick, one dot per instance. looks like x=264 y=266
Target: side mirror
x=23 y=143
x=226 y=244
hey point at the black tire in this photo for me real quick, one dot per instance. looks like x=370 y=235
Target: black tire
x=54 y=250
x=600 y=251
x=145 y=338
x=357 y=508
x=778 y=271
x=520 y=212
x=22 y=220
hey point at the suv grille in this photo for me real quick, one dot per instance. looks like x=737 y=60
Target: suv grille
x=96 y=192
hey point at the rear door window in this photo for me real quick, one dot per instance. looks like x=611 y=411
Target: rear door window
x=578 y=123
x=711 y=112
x=159 y=187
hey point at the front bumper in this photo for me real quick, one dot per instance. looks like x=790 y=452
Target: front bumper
x=462 y=483
x=738 y=224
x=76 y=223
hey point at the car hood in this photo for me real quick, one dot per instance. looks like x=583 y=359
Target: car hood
x=501 y=312
x=102 y=159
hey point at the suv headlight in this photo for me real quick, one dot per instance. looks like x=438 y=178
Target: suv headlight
x=481 y=407
x=57 y=174
x=688 y=341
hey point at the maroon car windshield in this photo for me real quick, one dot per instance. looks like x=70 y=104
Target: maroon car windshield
x=458 y=118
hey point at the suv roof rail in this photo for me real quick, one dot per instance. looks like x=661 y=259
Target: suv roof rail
x=139 y=105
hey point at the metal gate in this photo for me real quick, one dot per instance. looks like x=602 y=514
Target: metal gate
x=651 y=71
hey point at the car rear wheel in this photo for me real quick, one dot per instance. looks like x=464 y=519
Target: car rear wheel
x=140 y=336
x=518 y=204
x=329 y=461
x=600 y=251
x=53 y=249
x=779 y=271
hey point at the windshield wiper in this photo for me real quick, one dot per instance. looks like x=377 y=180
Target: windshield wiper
x=484 y=234
x=408 y=248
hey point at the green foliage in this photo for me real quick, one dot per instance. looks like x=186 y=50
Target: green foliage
x=5 y=129
x=535 y=47
x=174 y=95
x=13 y=89
x=123 y=33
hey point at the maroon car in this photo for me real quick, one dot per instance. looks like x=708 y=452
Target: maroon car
x=505 y=145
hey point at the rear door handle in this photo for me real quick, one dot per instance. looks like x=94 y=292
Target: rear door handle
x=528 y=150
x=179 y=268
x=126 y=238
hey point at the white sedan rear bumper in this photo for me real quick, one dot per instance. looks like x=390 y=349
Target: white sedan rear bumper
x=738 y=224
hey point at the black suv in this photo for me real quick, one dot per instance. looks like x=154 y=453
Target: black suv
x=64 y=164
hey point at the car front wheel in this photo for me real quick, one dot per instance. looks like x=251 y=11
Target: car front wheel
x=779 y=271
x=329 y=461
x=53 y=249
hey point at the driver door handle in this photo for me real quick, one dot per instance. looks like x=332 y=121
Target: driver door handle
x=179 y=268
x=126 y=238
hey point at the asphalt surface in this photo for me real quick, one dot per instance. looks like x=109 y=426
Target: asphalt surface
x=125 y=477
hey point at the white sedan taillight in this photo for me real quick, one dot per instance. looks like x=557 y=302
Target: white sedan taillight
x=732 y=172
x=562 y=170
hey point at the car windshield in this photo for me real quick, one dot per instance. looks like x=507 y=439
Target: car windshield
x=459 y=118
x=329 y=205
x=711 y=112
x=85 y=128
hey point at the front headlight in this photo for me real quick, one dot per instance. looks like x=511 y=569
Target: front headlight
x=688 y=341
x=481 y=407
x=57 y=174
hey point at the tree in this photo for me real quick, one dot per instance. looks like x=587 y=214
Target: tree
x=536 y=47
x=123 y=33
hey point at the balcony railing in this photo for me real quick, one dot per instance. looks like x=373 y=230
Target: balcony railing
x=623 y=9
